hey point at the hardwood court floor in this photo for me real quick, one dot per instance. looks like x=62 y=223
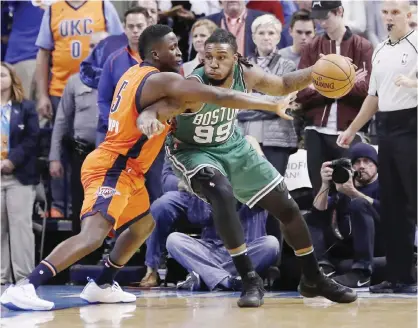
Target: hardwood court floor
x=167 y=308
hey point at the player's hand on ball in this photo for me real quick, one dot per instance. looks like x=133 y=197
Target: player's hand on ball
x=404 y=81
x=345 y=139
x=284 y=104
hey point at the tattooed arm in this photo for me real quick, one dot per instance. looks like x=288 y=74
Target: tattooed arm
x=274 y=85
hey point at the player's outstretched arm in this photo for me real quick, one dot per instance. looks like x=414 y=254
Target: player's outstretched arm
x=274 y=85
x=175 y=87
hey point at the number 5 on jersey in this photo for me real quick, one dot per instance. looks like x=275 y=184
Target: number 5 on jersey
x=117 y=100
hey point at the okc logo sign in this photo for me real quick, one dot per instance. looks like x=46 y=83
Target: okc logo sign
x=322 y=84
x=107 y=192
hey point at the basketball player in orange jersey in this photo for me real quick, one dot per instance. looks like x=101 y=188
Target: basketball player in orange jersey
x=116 y=200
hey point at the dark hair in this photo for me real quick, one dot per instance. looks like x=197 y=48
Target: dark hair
x=223 y=36
x=301 y=15
x=335 y=11
x=136 y=10
x=150 y=36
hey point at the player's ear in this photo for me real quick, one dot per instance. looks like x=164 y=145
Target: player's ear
x=155 y=55
x=236 y=56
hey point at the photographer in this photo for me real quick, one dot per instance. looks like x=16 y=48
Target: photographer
x=344 y=220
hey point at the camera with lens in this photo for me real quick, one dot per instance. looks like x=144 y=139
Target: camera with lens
x=342 y=168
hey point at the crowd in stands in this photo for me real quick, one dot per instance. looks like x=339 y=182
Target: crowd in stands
x=61 y=62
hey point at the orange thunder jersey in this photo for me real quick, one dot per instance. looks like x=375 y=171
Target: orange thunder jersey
x=71 y=30
x=123 y=136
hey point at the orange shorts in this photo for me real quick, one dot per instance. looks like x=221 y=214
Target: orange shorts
x=115 y=191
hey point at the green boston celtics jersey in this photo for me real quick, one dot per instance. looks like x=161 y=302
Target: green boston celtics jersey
x=212 y=124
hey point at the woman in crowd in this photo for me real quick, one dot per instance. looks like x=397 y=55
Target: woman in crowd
x=19 y=136
x=201 y=30
x=276 y=136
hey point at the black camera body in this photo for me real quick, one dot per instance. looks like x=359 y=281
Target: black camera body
x=342 y=168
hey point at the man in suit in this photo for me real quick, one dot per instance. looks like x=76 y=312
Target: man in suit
x=237 y=19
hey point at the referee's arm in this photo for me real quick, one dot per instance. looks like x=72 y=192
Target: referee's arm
x=368 y=109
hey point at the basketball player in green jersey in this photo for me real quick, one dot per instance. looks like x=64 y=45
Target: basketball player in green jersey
x=212 y=156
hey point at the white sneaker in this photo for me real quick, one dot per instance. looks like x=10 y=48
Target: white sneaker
x=23 y=297
x=111 y=294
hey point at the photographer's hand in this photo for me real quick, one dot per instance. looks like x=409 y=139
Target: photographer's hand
x=321 y=200
x=350 y=190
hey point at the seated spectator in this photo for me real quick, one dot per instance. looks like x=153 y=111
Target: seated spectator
x=346 y=224
x=302 y=30
x=201 y=30
x=175 y=204
x=208 y=260
x=19 y=136
x=76 y=124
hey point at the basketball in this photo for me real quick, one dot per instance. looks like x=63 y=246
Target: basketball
x=333 y=76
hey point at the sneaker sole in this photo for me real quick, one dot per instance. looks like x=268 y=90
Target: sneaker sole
x=87 y=299
x=9 y=304
x=344 y=299
x=251 y=304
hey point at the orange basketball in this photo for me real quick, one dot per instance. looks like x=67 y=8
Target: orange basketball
x=333 y=76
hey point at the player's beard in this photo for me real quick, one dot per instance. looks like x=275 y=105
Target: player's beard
x=220 y=82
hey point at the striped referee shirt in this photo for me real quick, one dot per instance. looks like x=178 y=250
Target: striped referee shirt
x=390 y=60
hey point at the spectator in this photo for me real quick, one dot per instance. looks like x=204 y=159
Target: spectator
x=75 y=127
x=21 y=50
x=61 y=40
x=289 y=7
x=175 y=204
x=376 y=31
x=208 y=259
x=348 y=221
x=200 y=31
x=276 y=136
x=91 y=67
x=135 y=21
x=238 y=20
x=327 y=117
x=302 y=30
x=64 y=37
x=19 y=134
x=151 y=6
x=355 y=15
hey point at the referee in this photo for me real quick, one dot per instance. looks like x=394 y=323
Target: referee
x=392 y=97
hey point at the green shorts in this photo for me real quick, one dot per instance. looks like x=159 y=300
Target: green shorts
x=250 y=174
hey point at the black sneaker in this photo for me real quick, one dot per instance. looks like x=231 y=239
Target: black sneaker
x=252 y=291
x=355 y=278
x=328 y=270
x=327 y=288
x=387 y=287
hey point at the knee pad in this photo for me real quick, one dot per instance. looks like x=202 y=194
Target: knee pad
x=212 y=185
